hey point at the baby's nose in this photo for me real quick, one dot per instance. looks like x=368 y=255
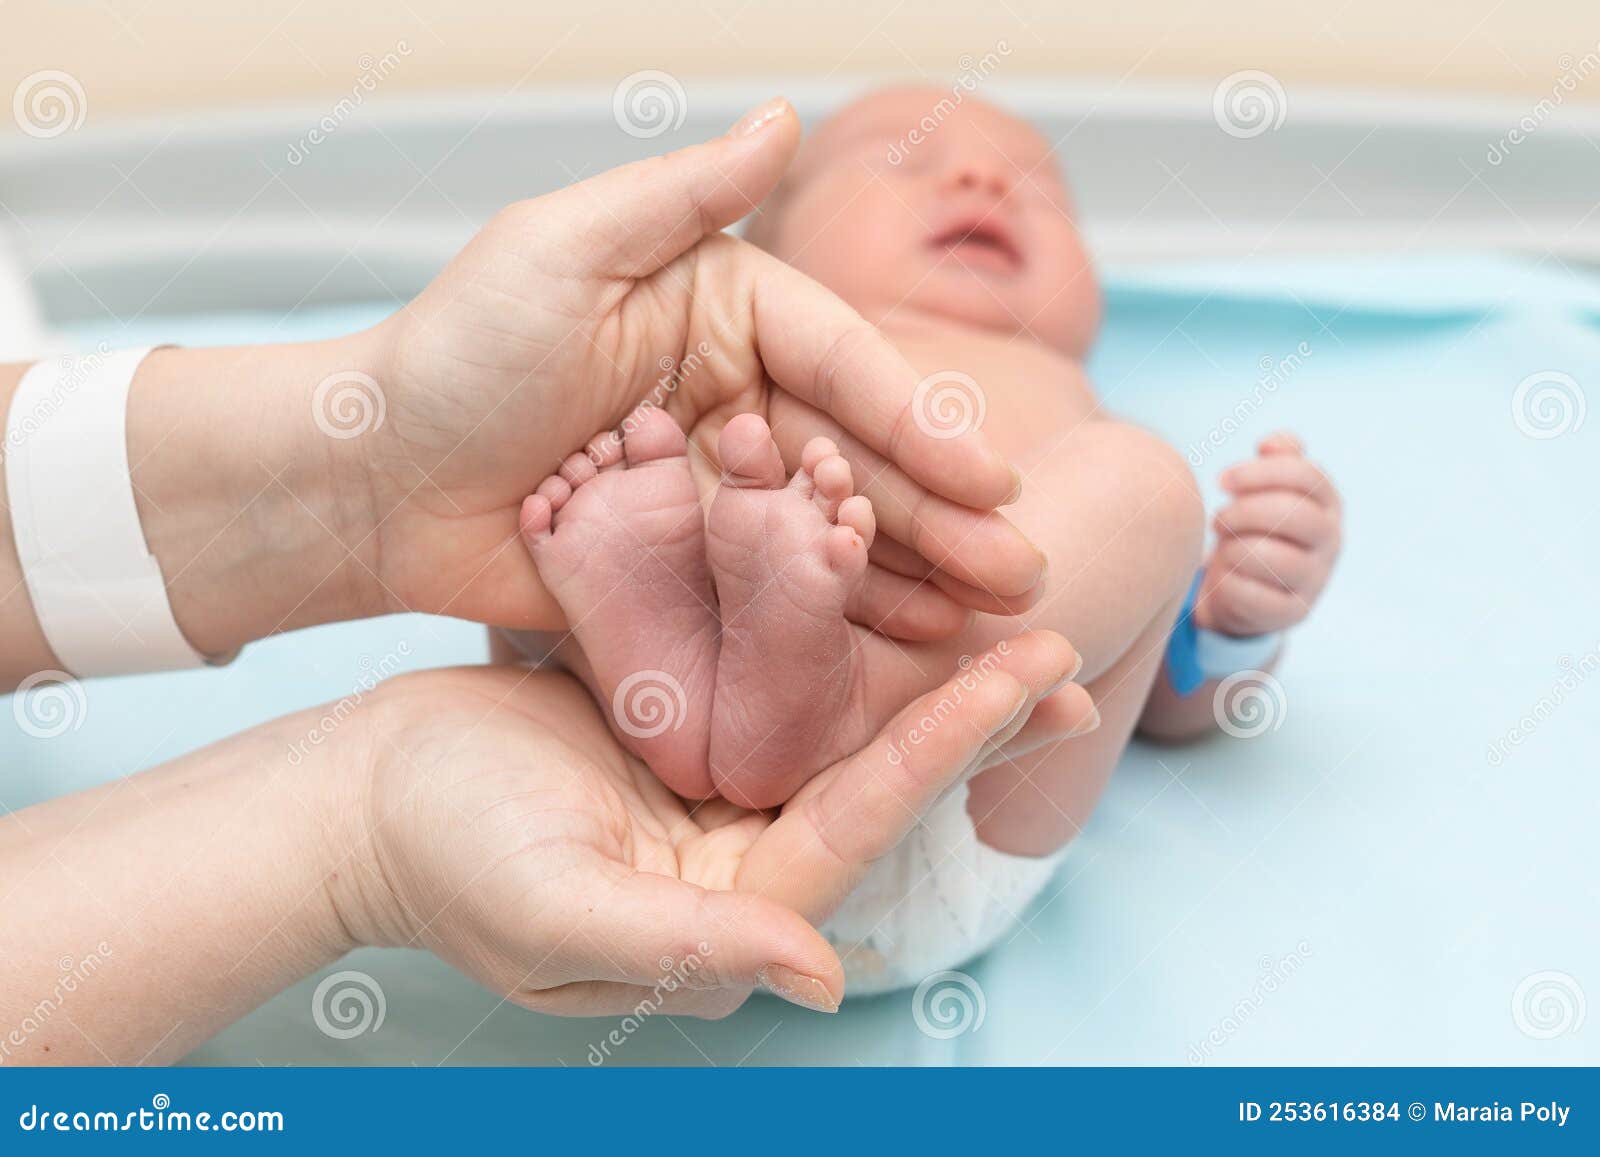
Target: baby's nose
x=976 y=175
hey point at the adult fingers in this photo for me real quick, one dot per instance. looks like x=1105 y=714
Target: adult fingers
x=904 y=608
x=634 y=219
x=823 y=352
x=638 y=928
x=607 y=998
x=902 y=560
x=1066 y=714
x=978 y=549
x=857 y=810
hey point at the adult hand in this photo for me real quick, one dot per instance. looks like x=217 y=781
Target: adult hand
x=282 y=486
x=568 y=310
x=509 y=834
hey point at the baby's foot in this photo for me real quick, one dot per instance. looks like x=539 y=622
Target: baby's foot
x=618 y=536
x=786 y=559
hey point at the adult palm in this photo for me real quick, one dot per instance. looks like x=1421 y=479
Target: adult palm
x=568 y=310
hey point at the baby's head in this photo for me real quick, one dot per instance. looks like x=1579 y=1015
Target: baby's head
x=915 y=198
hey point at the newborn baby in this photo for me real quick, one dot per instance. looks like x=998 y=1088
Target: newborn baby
x=963 y=249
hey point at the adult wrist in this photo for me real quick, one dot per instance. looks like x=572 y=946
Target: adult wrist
x=354 y=755
x=262 y=520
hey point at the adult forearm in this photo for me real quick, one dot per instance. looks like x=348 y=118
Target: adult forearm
x=139 y=918
x=257 y=508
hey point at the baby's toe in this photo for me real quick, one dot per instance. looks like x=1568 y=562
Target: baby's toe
x=650 y=434
x=856 y=513
x=555 y=491
x=604 y=450
x=815 y=451
x=845 y=551
x=831 y=484
x=750 y=458
x=535 y=519
x=576 y=469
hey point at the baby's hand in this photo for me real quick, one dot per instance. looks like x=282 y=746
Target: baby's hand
x=1276 y=542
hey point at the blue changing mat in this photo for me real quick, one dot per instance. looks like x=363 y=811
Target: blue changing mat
x=1363 y=884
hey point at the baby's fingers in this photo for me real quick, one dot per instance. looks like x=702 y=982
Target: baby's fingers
x=1273 y=560
x=1280 y=442
x=1239 y=604
x=1280 y=513
x=1281 y=472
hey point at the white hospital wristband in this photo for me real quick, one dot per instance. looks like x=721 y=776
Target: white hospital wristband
x=97 y=590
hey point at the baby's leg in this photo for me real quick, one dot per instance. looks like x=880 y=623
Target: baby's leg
x=1124 y=533
x=1118 y=515
x=619 y=538
x=785 y=557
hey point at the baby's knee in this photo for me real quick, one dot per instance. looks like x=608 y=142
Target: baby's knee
x=1167 y=512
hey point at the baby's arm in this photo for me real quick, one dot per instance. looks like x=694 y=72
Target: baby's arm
x=1278 y=540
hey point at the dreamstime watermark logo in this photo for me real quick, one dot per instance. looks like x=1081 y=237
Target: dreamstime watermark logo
x=348 y=1004
x=1548 y=1004
x=972 y=674
x=948 y=404
x=1249 y=103
x=1574 y=71
x=973 y=72
x=159 y=1117
x=1274 y=974
x=74 y=971
x=648 y=103
x=49 y=703
x=1573 y=674
x=1249 y=703
x=1273 y=374
x=372 y=673
x=650 y=703
x=374 y=71
x=675 y=974
x=1549 y=404
x=674 y=372
x=948 y=1004
x=348 y=404
x=49 y=103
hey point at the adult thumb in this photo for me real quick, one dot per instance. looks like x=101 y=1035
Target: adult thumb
x=630 y=221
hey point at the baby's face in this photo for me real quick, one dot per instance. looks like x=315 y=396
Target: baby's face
x=968 y=219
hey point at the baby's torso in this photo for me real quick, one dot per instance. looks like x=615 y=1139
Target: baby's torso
x=1027 y=393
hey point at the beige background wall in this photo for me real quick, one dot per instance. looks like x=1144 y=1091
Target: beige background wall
x=142 y=55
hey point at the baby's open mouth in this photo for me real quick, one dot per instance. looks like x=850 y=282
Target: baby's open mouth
x=980 y=243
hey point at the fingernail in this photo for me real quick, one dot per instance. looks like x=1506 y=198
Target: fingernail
x=1087 y=725
x=1077 y=665
x=1011 y=716
x=797 y=988
x=1016 y=487
x=760 y=117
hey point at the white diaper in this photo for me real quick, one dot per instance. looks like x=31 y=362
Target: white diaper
x=939 y=899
